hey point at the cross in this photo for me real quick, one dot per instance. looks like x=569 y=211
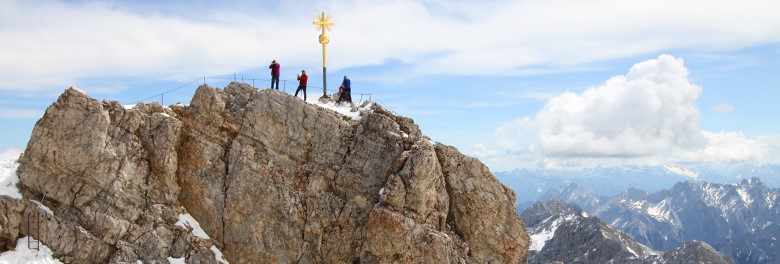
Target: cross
x=323 y=23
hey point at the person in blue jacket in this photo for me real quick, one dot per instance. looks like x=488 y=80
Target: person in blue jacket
x=346 y=94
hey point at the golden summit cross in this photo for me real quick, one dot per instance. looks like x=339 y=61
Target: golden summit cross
x=322 y=22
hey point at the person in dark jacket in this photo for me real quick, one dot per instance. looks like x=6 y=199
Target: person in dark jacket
x=346 y=93
x=302 y=79
x=274 y=74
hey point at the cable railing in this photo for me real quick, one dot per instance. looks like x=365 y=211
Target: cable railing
x=161 y=96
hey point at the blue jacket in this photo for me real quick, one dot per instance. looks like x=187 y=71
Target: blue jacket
x=347 y=84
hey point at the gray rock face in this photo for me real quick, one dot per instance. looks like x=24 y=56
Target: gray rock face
x=695 y=251
x=570 y=235
x=738 y=219
x=268 y=177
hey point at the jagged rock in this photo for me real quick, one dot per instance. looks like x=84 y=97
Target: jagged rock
x=563 y=232
x=695 y=251
x=268 y=177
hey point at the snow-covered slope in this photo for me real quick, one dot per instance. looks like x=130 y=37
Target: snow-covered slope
x=22 y=253
x=562 y=232
x=738 y=219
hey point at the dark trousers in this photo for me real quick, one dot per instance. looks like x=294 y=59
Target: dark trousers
x=301 y=87
x=275 y=79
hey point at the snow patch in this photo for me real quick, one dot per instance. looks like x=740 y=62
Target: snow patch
x=682 y=171
x=743 y=194
x=343 y=108
x=128 y=107
x=540 y=238
x=9 y=179
x=176 y=260
x=186 y=220
x=44 y=207
x=636 y=205
x=631 y=251
x=218 y=255
x=22 y=254
x=78 y=90
x=660 y=212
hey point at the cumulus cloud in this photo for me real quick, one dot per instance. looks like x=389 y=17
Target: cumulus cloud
x=481 y=151
x=650 y=110
x=726 y=147
x=647 y=116
x=56 y=43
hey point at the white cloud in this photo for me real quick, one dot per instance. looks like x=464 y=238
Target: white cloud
x=480 y=151
x=648 y=111
x=9 y=154
x=648 y=116
x=58 y=43
x=20 y=114
x=724 y=108
x=55 y=44
x=726 y=147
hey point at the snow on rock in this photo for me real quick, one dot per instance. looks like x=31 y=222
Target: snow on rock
x=538 y=239
x=682 y=171
x=44 y=207
x=176 y=260
x=78 y=89
x=218 y=255
x=8 y=178
x=343 y=108
x=22 y=254
x=186 y=220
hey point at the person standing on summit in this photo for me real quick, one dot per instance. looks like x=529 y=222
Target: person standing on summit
x=346 y=93
x=274 y=74
x=302 y=79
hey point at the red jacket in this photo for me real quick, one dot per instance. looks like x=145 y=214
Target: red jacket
x=274 y=69
x=303 y=78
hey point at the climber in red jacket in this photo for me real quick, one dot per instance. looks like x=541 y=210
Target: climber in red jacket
x=302 y=79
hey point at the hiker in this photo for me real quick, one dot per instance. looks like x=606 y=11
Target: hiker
x=274 y=74
x=302 y=79
x=345 y=91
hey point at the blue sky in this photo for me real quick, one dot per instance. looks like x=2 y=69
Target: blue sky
x=518 y=84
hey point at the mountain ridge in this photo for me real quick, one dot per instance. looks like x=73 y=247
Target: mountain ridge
x=268 y=177
x=736 y=218
x=564 y=232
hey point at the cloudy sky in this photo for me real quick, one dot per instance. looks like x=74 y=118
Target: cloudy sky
x=518 y=84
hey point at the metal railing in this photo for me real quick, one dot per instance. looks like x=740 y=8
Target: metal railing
x=253 y=81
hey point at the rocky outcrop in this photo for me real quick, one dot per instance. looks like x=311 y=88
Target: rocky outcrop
x=269 y=178
x=563 y=232
x=695 y=251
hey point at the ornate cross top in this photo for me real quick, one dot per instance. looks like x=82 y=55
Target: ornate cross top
x=323 y=22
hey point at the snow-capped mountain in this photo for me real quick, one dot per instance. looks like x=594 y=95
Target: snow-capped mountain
x=531 y=184
x=738 y=219
x=563 y=232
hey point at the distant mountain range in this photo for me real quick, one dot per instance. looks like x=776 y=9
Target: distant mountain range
x=531 y=184
x=563 y=232
x=738 y=219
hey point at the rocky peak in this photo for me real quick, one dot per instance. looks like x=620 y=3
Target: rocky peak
x=572 y=236
x=268 y=177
